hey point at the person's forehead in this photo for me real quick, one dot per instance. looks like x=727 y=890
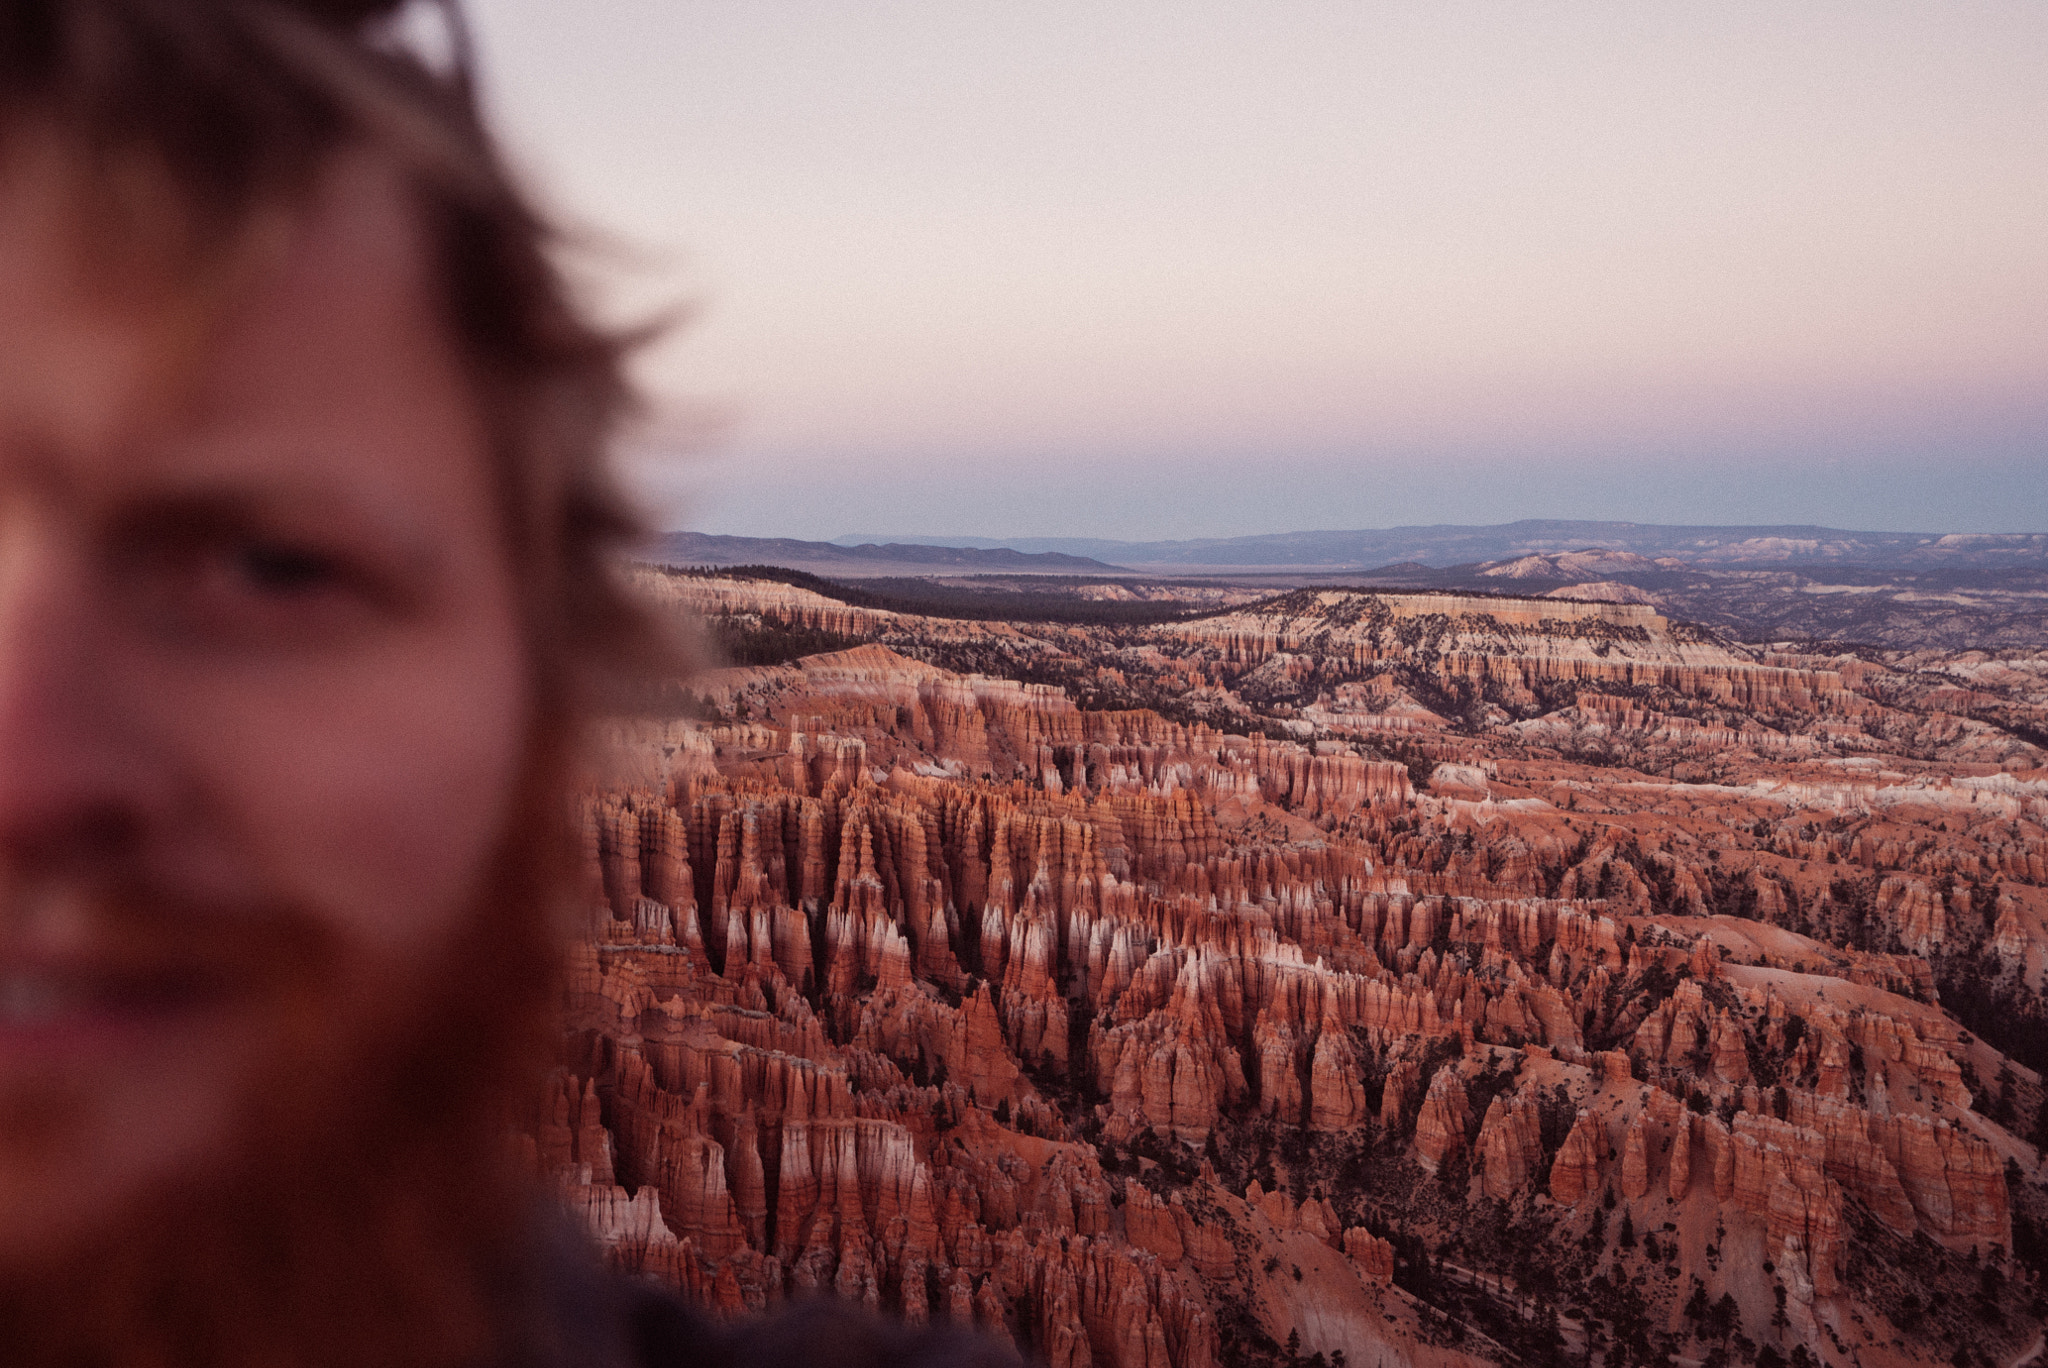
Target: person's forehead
x=71 y=339
x=342 y=292
x=319 y=331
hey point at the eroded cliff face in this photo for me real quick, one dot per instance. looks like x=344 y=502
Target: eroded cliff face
x=1138 y=1041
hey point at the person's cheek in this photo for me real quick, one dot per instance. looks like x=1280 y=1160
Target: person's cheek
x=418 y=794
x=370 y=791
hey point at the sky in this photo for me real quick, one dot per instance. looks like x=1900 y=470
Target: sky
x=1152 y=270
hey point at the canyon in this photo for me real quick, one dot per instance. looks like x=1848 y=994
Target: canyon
x=1330 y=976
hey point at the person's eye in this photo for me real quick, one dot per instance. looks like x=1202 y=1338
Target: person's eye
x=259 y=590
x=232 y=582
x=280 y=568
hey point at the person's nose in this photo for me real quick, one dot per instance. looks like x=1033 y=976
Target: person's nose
x=66 y=773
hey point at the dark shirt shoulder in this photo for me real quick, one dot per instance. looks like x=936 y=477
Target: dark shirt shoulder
x=568 y=1311
x=820 y=1333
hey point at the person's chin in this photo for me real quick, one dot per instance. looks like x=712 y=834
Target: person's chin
x=101 y=1112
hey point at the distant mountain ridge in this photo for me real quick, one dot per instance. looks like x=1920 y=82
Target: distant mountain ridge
x=699 y=548
x=1444 y=545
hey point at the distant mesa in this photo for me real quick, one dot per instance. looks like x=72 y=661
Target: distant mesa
x=1604 y=591
x=699 y=548
x=1445 y=545
x=1578 y=567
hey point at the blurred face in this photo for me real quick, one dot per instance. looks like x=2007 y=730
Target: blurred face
x=262 y=704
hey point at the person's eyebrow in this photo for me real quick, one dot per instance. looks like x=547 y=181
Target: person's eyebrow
x=321 y=511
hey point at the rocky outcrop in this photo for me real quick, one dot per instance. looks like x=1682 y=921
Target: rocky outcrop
x=1779 y=1175
x=1440 y=1126
x=1510 y=1146
x=1575 y=1172
x=1149 y=1225
x=1336 y=1083
x=1679 y=1181
x=1374 y=1256
x=1635 y=1158
x=1517 y=646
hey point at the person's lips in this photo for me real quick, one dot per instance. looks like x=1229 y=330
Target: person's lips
x=56 y=1011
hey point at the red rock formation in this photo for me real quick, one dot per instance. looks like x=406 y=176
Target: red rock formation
x=945 y=993
x=1575 y=1172
x=1635 y=1158
x=1680 y=1180
x=1337 y=1090
x=1374 y=1256
x=1510 y=1146
x=1149 y=1224
x=1779 y=1175
x=1440 y=1125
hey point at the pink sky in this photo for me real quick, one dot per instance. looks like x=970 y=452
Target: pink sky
x=1199 y=269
